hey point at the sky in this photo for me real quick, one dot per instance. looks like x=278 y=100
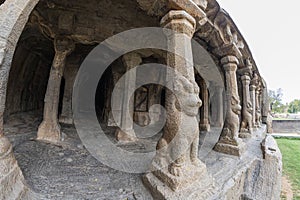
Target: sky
x=271 y=28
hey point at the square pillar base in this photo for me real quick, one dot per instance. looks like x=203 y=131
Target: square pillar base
x=245 y=133
x=232 y=149
x=66 y=120
x=194 y=184
x=128 y=136
x=205 y=127
x=49 y=132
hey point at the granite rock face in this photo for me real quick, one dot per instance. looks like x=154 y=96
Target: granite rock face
x=12 y=182
x=270 y=177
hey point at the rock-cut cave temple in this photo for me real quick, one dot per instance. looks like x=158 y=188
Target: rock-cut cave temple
x=214 y=141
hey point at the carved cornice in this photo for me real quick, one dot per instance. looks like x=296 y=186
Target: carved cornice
x=217 y=28
x=214 y=27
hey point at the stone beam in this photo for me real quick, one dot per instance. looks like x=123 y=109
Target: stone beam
x=195 y=8
x=49 y=130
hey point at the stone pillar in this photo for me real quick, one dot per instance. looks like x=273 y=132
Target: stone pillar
x=265 y=107
x=247 y=109
x=217 y=110
x=204 y=110
x=119 y=88
x=258 y=107
x=229 y=142
x=176 y=170
x=49 y=130
x=66 y=116
x=125 y=133
x=253 y=101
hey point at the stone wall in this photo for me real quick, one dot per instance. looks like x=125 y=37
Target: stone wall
x=27 y=81
x=286 y=126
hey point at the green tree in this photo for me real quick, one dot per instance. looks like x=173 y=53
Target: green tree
x=294 y=106
x=275 y=99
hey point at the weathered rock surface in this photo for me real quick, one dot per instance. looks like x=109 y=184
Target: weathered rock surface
x=26 y=55
x=12 y=182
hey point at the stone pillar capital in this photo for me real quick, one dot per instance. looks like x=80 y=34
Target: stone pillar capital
x=230 y=67
x=258 y=90
x=245 y=79
x=252 y=87
x=179 y=21
x=245 y=71
x=63 y=45
x=229 y=60
x=131 y=60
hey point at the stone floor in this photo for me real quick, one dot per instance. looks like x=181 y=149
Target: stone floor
x=68 y=171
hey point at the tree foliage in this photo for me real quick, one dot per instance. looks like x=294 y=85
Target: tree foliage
x=294 y=106
x=275 y=99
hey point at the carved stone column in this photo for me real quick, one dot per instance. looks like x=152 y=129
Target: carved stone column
x=253 y=101
x=119 y=88
x=179 y=144
x=247 y=109
x=265 y=104
x=126 y=133
x=204 y=110
x=229 y=142
x=49 y=130
x=258 y=107
x=66 y=116
x=217 y=110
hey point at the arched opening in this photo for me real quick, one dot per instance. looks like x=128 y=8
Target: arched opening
x=46 y=21
x=27 y=86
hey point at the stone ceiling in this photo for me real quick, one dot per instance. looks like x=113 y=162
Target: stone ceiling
x=89 y=21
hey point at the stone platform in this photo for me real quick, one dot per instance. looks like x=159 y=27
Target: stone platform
x=70 y=172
